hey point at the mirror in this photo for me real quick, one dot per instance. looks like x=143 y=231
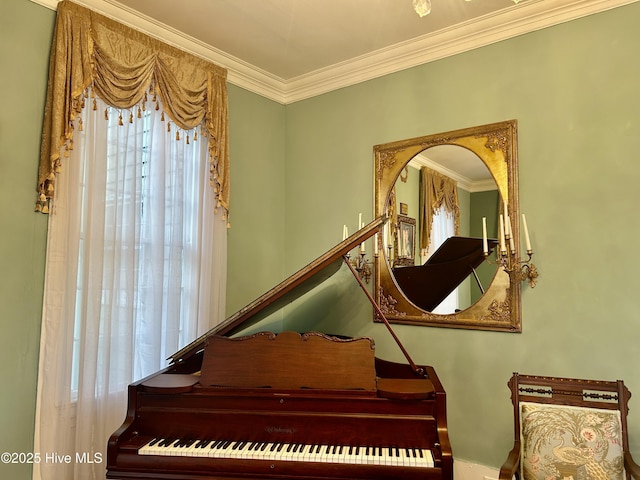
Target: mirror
x=412 y=275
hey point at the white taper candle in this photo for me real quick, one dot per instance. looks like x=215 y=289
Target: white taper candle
x=485 y=245
x=526 y=234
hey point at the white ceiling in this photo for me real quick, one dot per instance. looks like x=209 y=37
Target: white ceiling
x=288 y=50
x=458 y=163
x=290 y=38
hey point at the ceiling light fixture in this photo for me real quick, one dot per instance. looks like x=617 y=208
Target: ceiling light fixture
x=423 y=7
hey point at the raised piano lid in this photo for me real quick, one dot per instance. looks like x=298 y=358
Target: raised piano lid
x=284 y=293
x=429 y=284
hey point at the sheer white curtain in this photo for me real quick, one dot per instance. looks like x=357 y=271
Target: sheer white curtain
x=443 y=227
x=136 y=266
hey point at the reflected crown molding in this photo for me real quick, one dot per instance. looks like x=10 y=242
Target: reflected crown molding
x=464 y=182
x=530 y=16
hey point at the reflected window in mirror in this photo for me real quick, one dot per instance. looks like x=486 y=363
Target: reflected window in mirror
x=442 y=227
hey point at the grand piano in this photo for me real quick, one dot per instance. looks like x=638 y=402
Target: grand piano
x=456 y=259
x=285 y=405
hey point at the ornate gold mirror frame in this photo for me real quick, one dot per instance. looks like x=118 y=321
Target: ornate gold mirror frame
x=499 y=306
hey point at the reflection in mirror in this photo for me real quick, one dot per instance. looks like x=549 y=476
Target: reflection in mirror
x=437 y=192
x=473 y=195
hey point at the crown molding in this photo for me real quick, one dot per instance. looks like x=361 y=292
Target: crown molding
x=463 y=182
x=528 y=17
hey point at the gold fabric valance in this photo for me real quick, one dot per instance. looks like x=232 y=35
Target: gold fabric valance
x=438 y=191
x=92 y=53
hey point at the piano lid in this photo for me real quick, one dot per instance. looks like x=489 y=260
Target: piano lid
x=301 y=282
x=429 y=284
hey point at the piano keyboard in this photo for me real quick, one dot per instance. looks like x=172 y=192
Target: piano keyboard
x=393 y=456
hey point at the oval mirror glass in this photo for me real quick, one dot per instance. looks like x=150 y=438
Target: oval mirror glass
x=476 y=196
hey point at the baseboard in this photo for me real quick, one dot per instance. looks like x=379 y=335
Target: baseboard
x=463 y=470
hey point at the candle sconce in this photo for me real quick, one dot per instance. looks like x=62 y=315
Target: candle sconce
x=361 y=265
x=519 y=270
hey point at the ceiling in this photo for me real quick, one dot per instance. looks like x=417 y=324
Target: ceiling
x=291 y=38
x=288 y=50
x=458 y=163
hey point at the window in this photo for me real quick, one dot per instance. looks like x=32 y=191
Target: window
x=135 y=267
x=442 y=227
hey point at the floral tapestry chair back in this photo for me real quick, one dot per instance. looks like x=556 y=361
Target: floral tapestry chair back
x=569 y=429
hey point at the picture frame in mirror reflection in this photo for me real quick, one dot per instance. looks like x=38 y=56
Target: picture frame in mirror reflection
x=497 y=304
x=405 y=243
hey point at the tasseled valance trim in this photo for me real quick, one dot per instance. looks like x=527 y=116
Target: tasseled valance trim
x=438 y=191
x=94 y=55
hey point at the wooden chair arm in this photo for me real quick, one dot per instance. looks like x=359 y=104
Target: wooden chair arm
x=512 y=464
x=630 y=466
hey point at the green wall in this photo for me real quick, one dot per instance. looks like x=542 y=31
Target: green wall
x=25 y=31
x=302 y=171
x=256 y=237
x=573 y=89
x=484 y=204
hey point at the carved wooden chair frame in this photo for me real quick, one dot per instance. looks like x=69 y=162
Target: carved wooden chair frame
x=548 y=393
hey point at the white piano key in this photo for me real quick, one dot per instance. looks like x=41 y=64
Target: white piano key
x=304 y=453
x=320 y=453
x=404 y=459
x=386 y=457
x=354 y=454
x=263 y=451
x=285 y=451
x=412 y=455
